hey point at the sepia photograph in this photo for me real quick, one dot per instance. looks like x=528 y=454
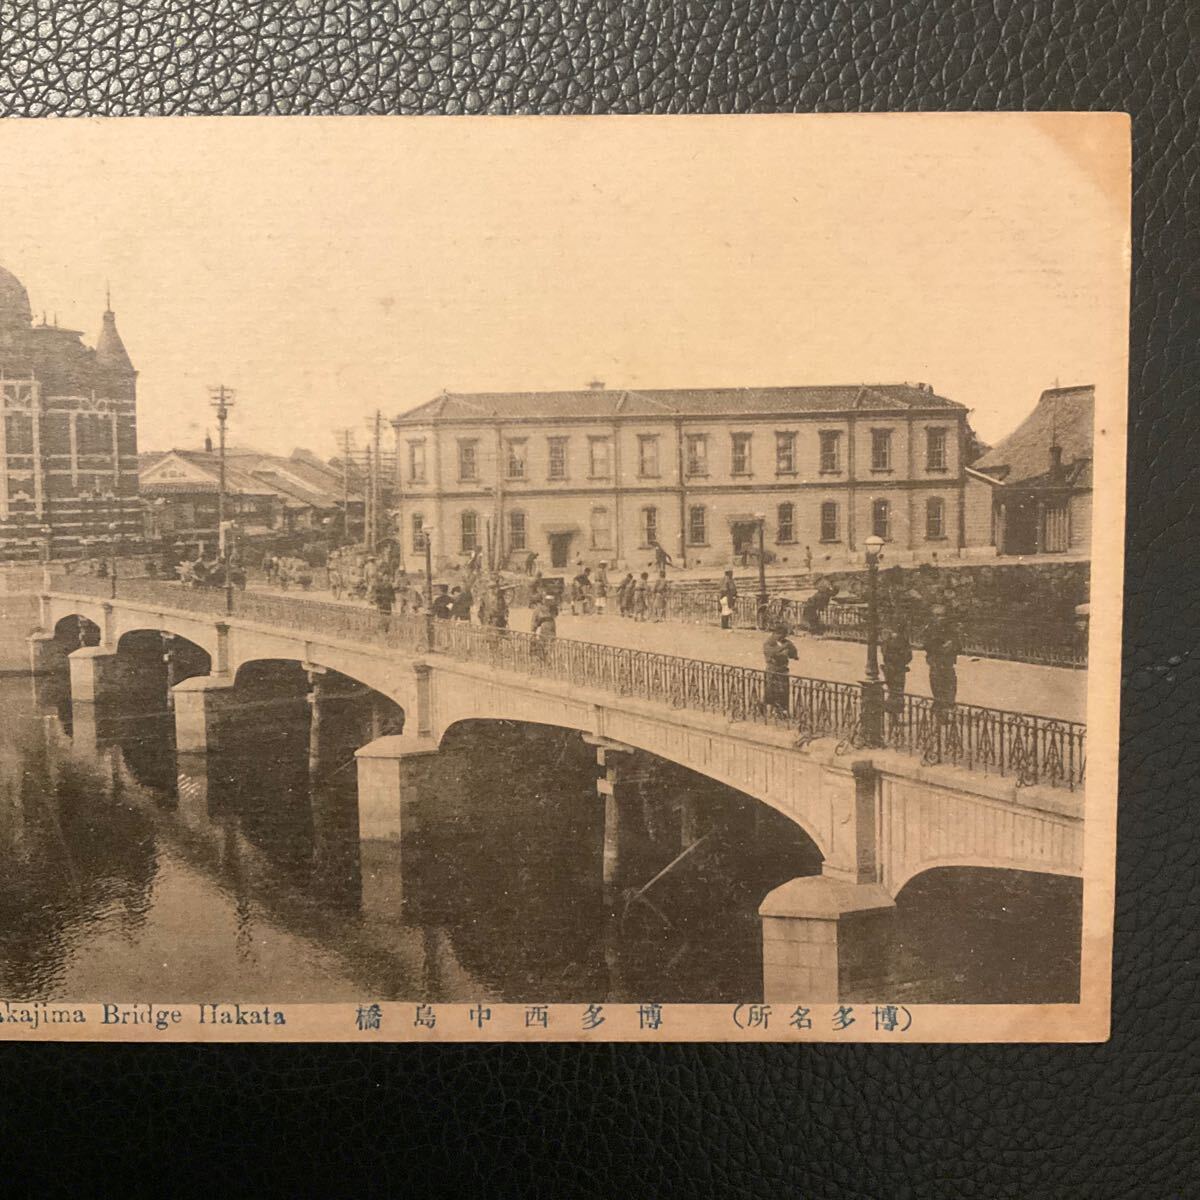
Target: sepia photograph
x=561 y=578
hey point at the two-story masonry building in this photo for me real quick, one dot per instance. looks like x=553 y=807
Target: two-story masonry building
x=604 y=473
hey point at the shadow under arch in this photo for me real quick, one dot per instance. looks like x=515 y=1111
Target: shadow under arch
x=785 y=819
x=75 y=630
x=970 y=933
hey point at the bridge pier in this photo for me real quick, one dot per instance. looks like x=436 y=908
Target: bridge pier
x=804 y=926
x=95 y=674
x=200 y=703
x=47 y=655
x=382 y=783
x=614 y=792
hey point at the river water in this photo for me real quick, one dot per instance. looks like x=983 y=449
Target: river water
x=127 y=873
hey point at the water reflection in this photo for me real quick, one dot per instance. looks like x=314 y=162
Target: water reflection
x=130 y=872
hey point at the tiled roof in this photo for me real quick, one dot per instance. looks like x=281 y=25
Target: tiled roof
x=605 y=404
x=1063 y=416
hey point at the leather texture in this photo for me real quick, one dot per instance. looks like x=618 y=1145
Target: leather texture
x=1117 y=1120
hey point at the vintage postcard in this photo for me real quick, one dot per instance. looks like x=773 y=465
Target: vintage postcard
x=579 y=579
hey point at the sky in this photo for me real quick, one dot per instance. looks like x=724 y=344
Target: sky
x=327 y=267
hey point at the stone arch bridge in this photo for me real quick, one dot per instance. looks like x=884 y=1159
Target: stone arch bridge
x=879 y=817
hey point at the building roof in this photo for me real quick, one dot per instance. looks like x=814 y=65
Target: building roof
x=198 y=471
x=297 y=483
x=1062 y=417
x=605 y=404
x=110 y=350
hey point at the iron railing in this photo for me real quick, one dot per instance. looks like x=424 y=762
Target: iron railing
x=1033 y=749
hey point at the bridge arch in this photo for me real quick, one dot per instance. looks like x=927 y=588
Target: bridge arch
x=76 y=629
x=919 y=872
x=655 y=750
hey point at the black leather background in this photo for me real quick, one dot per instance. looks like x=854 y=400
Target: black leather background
x=1118 y=1120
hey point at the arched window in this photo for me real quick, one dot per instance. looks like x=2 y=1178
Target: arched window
x=935 y=518
x=469 y=525
x=516 y=530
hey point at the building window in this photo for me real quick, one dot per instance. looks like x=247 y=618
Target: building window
x=468 y=461
x=515 y=459
x=935 y=449
x=601 y=529
x=881 y=449
x=416 y=462
x=829 y=521
x=19 y=432
x=740 y=447
x=600 y=457
x=697 y=526
x=785 y=525
x=516 y=531
x=469 y=527
x=558 y=458
x=935 y=518
x=649 y=526
x=697 y=454
x=831 y=451
x=418 y=533
x=881 y=518
x=648 y=455
x=785 y=454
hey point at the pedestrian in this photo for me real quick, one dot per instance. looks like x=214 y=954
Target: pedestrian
x=578 y=585
x=545 y=627
x=778 y=651
x=808 y=558
x=896 y=647
x=531 y=563
x=442 y=603
x=658 y=596
x=602 y=588
x=812 y=612
x=460 y=603
x=727 y=600
x=641 y=597
x=384 y=592
x=941 y=652
x=662 y=560
x=625 y=595
x=499 y=605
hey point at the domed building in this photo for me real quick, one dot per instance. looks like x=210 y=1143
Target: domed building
x=68 y=438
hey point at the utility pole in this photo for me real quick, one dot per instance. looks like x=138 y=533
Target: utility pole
x=345 y=443
x=377 y=490
x=369 y=504
x=222 y=398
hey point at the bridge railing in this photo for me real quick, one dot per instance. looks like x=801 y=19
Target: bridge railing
x=1030 y=748
x=1033 y=749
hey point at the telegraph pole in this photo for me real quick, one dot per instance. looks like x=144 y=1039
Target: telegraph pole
x=376 y=489
x=222 y=399
x=345 y=442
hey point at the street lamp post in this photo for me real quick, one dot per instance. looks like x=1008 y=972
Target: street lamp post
x=872 y=685
x=761 y=518
x=427 y=532
x=221 y=398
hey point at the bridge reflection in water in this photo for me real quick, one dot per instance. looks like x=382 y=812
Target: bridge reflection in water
x=478 y=854
x=127 y=869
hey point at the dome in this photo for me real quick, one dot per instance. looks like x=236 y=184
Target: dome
x=14 y=300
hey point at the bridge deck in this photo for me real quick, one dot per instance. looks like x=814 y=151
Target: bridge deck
x=1034 y=748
